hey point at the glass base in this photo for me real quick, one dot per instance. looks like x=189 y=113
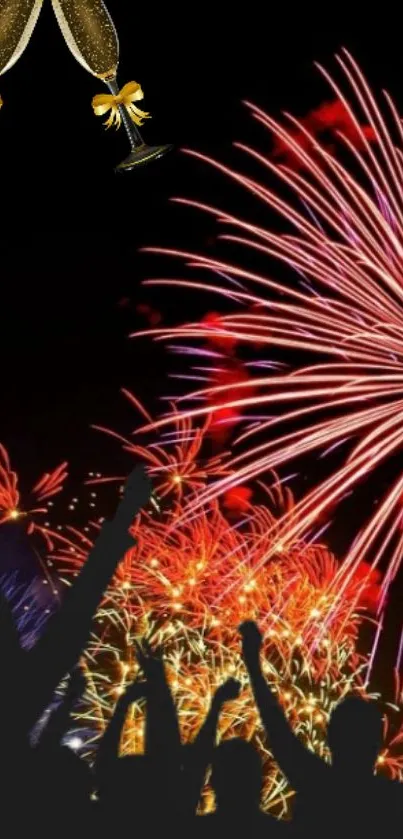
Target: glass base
x=143 y=154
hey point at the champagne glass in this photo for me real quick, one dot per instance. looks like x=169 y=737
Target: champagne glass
x=17 y=23
x=90 y=34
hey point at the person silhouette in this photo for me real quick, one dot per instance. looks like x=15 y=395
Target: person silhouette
x=152 y=779
x=198 y=755
x=120 y=780
x=344 y=797
x=163 y=746
x=34 y=675
x=67 y=632
x=236 y=779
x=169 y=777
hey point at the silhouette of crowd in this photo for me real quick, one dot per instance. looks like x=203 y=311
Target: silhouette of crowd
x=49 y=790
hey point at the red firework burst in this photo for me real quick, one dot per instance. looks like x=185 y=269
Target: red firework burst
x=344 y=242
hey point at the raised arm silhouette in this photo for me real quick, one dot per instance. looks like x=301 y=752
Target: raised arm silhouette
x=162 y=727
x=58 y=650
x=162 y=736
x=108 y=750
x=343 y=797
x=198 y=756
x=293 y=758
x=154 y=778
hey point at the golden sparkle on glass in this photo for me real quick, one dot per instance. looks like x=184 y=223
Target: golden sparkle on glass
x=90 y=34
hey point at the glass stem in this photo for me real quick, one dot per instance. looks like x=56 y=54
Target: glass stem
x=132 y=131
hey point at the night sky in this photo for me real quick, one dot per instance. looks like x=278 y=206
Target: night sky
x=71 y=229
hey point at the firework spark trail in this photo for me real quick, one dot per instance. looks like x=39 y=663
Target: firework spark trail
x=347 y=244
x=178 y=463
x=27 y=513
x=29 y=613
x=12 y=508
x=287 y=534
x=169 y=589
x=255 y=536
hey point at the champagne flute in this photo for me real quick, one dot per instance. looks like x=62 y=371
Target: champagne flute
x=17 y=23
x=90 y=34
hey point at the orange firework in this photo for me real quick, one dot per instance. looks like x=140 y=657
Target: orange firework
x=187 y=585
x=12 y=508
x=209 y=574
x=209 y=571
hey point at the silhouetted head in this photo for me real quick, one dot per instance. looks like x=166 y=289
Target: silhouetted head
x=127 y=781
x=355 y=735
x=136 y=783
x=61 y=782
x=236 y=777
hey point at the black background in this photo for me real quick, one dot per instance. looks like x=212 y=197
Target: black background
x=70 y=229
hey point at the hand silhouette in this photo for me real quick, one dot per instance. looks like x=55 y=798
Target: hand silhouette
x=136 y=691
x=251 y=639
x=150 y=660
x=136 y=495
x=228 y=691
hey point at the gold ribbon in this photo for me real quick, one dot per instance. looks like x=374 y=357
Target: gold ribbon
x=130 y=93
x=1 y=103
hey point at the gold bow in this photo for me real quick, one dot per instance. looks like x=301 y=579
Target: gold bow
x=130 y=93
x=1 y=102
